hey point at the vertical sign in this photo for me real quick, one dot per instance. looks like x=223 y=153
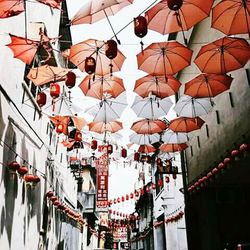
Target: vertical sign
x=102 y=183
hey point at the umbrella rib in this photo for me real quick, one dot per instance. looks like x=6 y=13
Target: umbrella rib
x=205 y=65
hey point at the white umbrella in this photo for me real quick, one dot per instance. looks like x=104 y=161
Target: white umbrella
x=142 y=139
x=192 y=107
x=166 y=155
x=174 y=137
x=109 y=109
x=151 y=107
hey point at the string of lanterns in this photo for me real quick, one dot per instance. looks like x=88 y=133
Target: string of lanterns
x=235 y=155
x=143 y=235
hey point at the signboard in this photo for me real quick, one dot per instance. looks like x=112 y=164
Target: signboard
x=102 y=183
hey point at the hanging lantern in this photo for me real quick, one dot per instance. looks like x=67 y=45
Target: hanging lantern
x=93 y=144
x=140 y=26
x=41 y=99
x=158 y=162
x=210 y=174
x=54 y=90
x=59 y=128
x=111 y=49
x=56 y=203
x=167 y=179
x=136 y=156
x=221 y=165
x=90 y=65
x=244 y=147
x=227 y=160
x=215 y=170
x=174 y=176
x=109 y=148
x=153 y=186
x=137 y=194
x=160 y=183
x=131 y=195
x=123 y=199
x=127 y=197
x=118 y=200
x=30 y=178
x=13 y=166
x=23 y=170
x=174 y=4
x=147 y=189
x=114 y=201
x=70 y=79
x=142 y=191
x=53 y=198
x=78 y=136
x=124 y=152
x=49 y=194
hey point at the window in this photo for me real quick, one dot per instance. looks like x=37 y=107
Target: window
x=207 y=131
x=231 y=99
x=191 y=151
x=198 y=141
x=217 y=116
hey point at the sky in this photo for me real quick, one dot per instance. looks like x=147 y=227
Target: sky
x=122 y=179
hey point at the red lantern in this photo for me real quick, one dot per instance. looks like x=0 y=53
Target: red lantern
x=142 y=191
x=49 y=194
x=147 y=189
x=215 y=170
x=56 y=203
x=210 y=174
x=136 y=156
x=123 y=199
x=174 y=176
x=70 y=79
x=109 y=149
x=158 y=162
x=167 y=179
x=174 y=4
x=153 y=186
x=140 y=26
x=114 y=201
x=137 y=194
x=118 y=200
x=78 y=136
x=23 y=170
x=160 y=183
x=13 y=166
x=93 y=144
x=227 y=160
x=90 y=65
x=221 y=165
x=54 y=90
x=244 y=147
x=32 y=178
x=124 y=152
x=235 y=153
x=59 y=128
x=131 y=195
x=41 y=99
x=111 y=49
x=53 y=198
x=127 y=197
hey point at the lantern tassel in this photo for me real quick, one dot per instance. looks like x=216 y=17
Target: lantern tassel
x=111 y=69
x=89 y=83
x=53 y=105
x=69 y=95
x=142 y=44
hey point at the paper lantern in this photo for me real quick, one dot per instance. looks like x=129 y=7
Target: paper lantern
x=90 y=65
x=153 y=186
x=93 y=144
x=131 y=195
x=111 y=49
x=127 y=197
x=23 y=170
x=54 y=90
x=122 y=199
x=140 y=26
x=109 y=148
x=70 y=79
x=32 y=178
x=124 y=152
x=59 y=128
x=78 y=136
x=160 y=183
x=227 y=160
x=49 y=194
x=13 y=166
x=41 y=99
x=174 y=4
x=136 y=156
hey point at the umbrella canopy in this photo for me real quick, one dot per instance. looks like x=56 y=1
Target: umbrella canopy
x=207 y=85
x=9 y=8
x=96 y=10
x=173 y=147
x=146 y=149
x=107 y=84
x=167 y=20
x=191 y=107
x=223 y=55
x=47 y=74
x=101 y=127
x=166 y=155
x=109 y=109
x=185 y=124
x=147 y=126
x=160 y=86
x=143 y=139
x=232 y=17
x=64 y=120
x=151 y=107
x=170 y=136
x=95 y=48
x=51 y=3
x=164 y=58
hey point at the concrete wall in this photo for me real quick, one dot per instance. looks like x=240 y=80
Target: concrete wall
x=21 y=206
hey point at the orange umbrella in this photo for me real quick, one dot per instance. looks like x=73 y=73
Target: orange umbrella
x=147 y=149
x=102 y=127
x=52 y=3
x=185 y=124
x=147 y=126
x=223 y=55
x=164 y=58
x=159 y=86
x=111 y=85
x=169 y=16
x=95 y=10
x=9 y=8
x=64 y=120
x=206 y=85
x=232 y=17
x=173 y=147
x=95 y=48
x=47 y=74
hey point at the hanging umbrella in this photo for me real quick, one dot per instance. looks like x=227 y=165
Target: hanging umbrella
x=143 y=139
x=166 y=155
x=151 y=107
x=191 y=107
x=177 y=15
x=146 y=149
x=47 y=74
x=147 y=126
x=223 y=55
x=64 y=120
x=95 y=10
x=107 y=84
x=112 y=138
x=9 y=8
x=232 y=17
x=170 y=136
x=173 y=147
x=95 y=48
x=185 y=124
x=109 y=109
x=102 y=127
x=207 y=85
x=164 y=58
x=161 y=86
x=51 y=3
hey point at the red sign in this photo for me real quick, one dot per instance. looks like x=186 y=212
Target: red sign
x=102 y=182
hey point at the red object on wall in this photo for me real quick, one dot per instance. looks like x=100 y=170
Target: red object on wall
x=41 y=99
